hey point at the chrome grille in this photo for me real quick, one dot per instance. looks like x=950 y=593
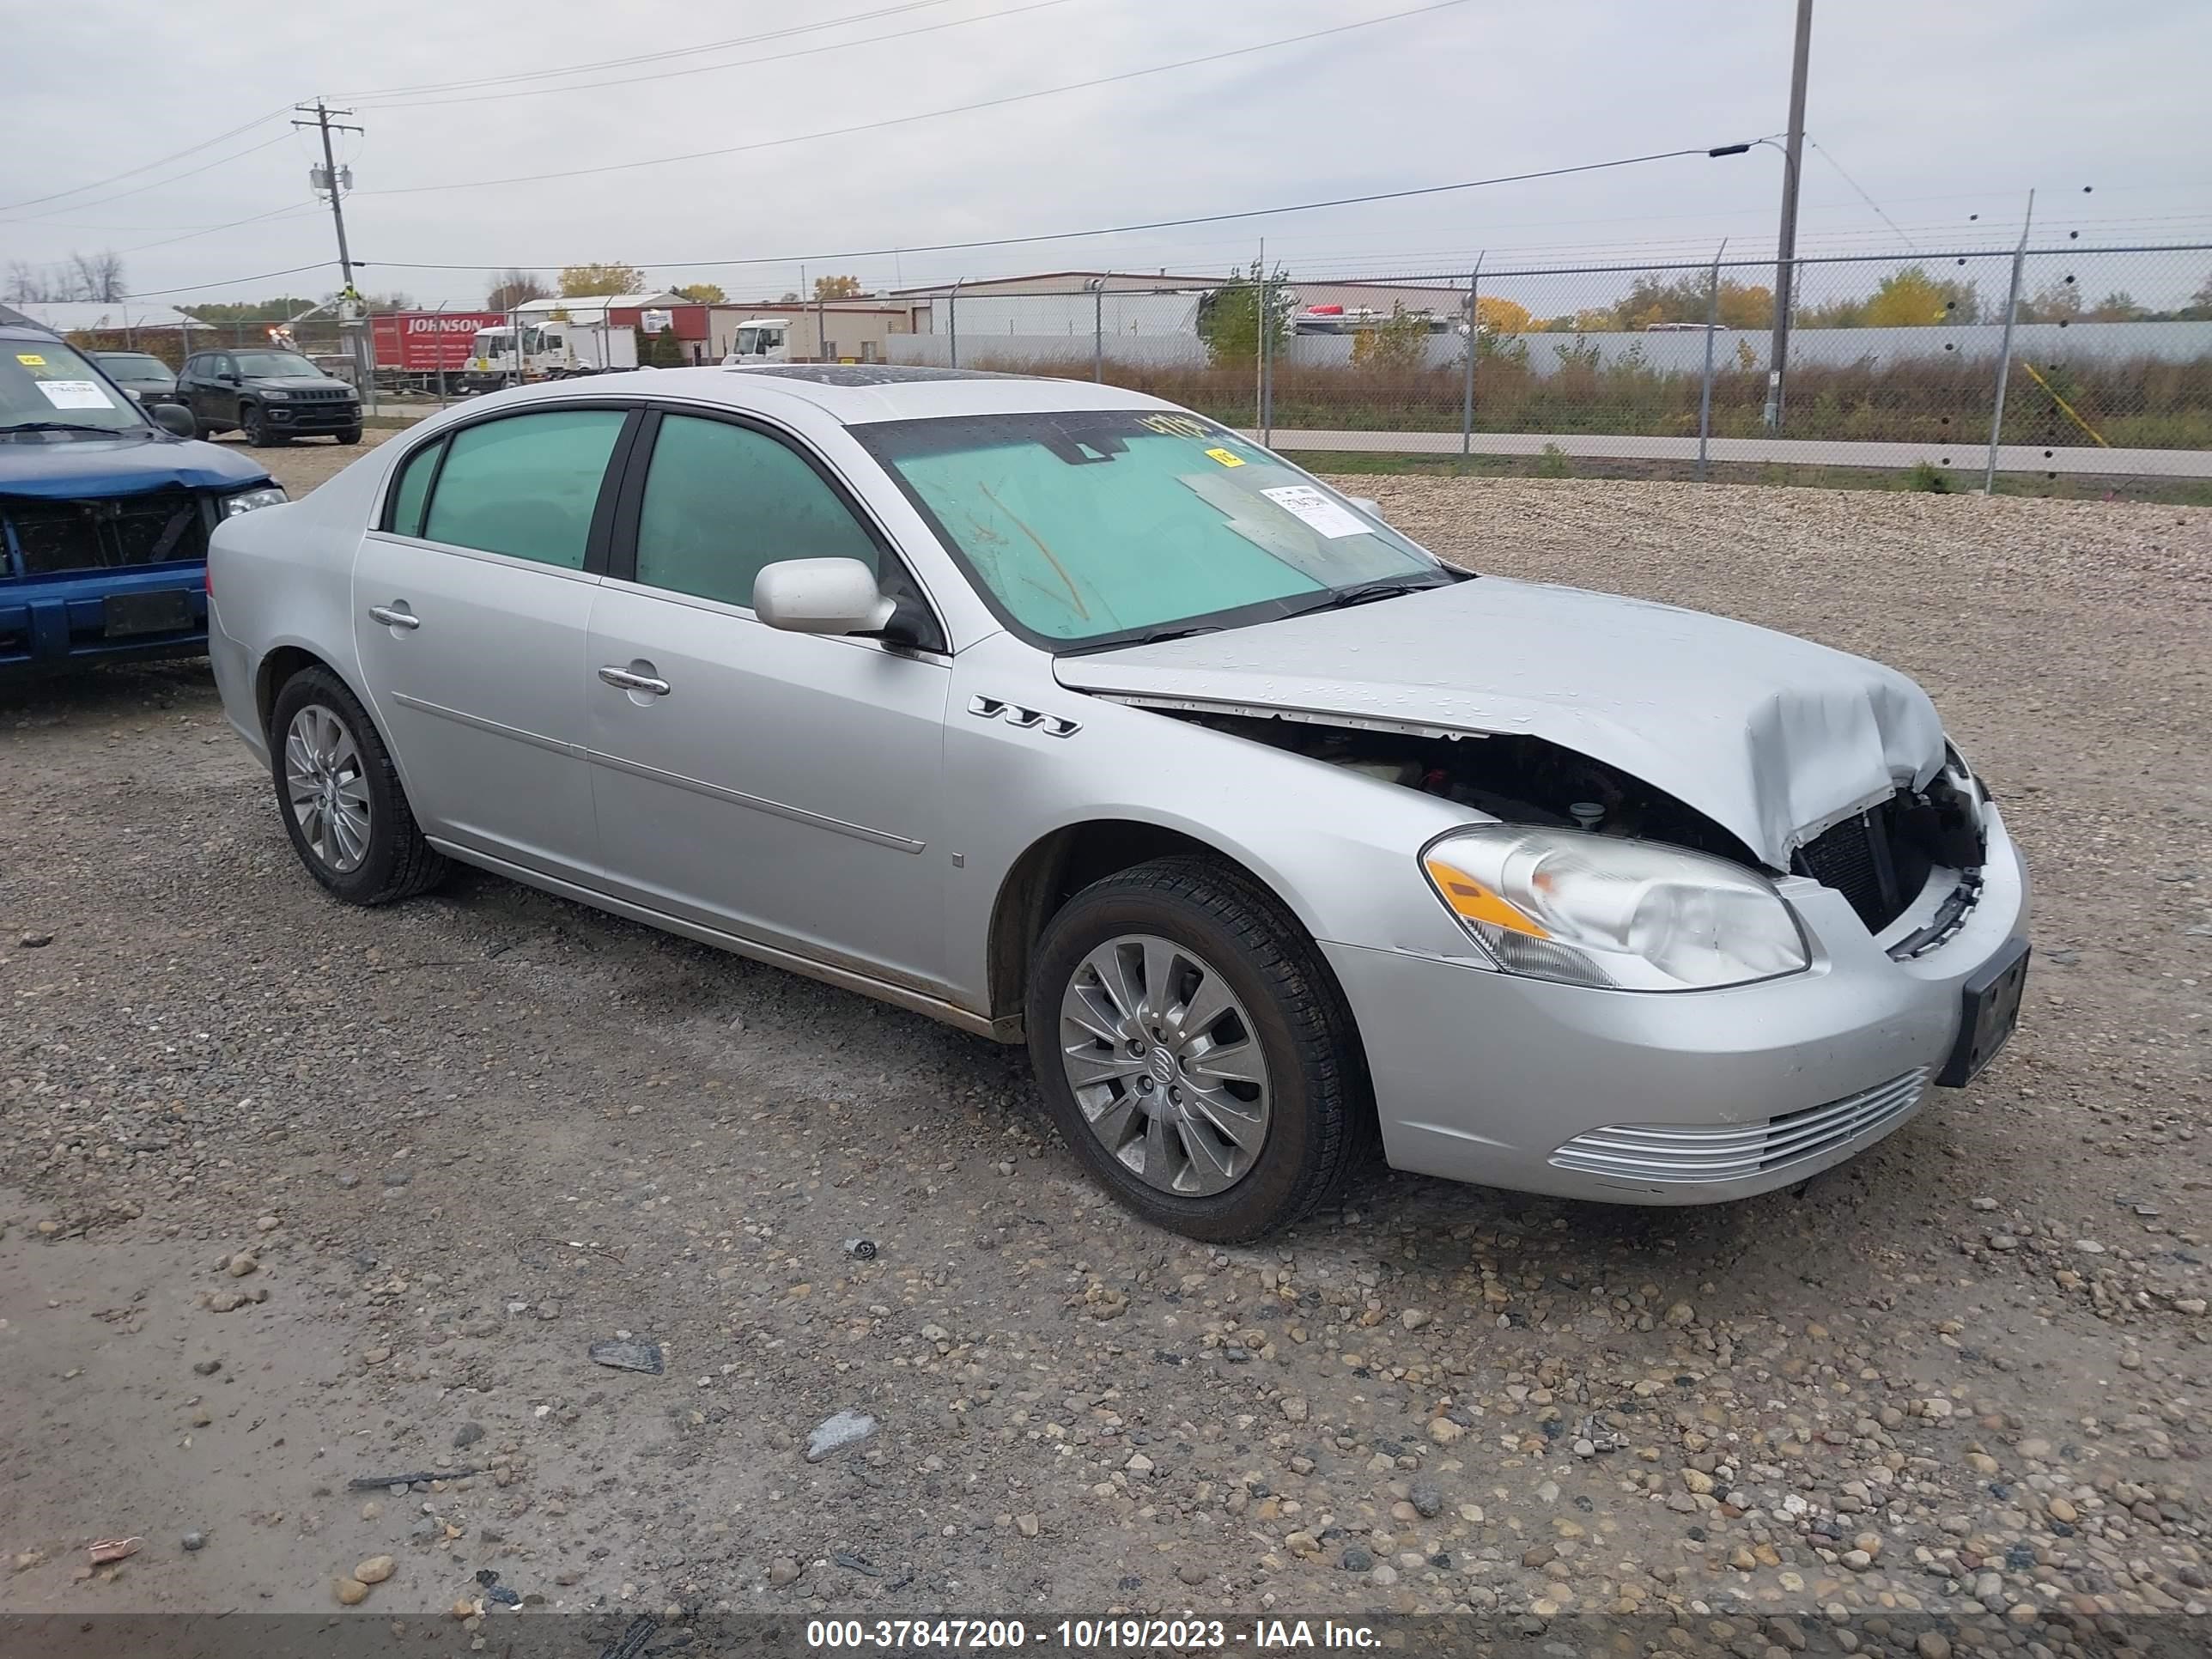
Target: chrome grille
x=1729 y=1151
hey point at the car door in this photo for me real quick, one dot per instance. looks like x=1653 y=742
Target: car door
x=221 y=387
x=472 y=598
x=781 y=787
x=192 y=385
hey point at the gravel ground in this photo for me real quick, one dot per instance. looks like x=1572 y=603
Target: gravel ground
x=296 y=1195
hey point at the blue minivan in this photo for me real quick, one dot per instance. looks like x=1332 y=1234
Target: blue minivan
x=105 y=507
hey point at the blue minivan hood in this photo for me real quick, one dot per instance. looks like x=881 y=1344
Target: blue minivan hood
x=128 y=464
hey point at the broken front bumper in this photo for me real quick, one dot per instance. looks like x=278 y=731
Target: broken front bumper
x=102 y=616
x=1683 y=1098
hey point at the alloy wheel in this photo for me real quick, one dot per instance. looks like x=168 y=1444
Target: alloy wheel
x=327 y=787
x=1165 y=1065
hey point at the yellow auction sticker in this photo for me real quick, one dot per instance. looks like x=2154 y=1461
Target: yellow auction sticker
x=30 y=360
x=1224 y=458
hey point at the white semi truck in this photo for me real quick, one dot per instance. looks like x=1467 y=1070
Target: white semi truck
x=759 y=340
x=551 y=350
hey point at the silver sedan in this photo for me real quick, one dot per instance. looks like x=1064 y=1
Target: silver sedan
x=1071 y=718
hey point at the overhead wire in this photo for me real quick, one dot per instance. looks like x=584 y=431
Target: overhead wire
x=745 y=63
x=1856 y=185
x=731 y=44
x=1106 y=230
x=926 y=115
x=140 y=189
x=143 y=167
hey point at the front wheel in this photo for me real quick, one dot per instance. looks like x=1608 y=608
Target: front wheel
x=350 y=435
x=255 y=425
x=1195 y=1052
x=344 y=810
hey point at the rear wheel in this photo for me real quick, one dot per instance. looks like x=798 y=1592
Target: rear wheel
x=343 y=807
x=1195 y=1052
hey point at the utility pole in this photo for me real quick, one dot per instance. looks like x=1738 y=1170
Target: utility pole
x=348 y=298
x=1785 y=252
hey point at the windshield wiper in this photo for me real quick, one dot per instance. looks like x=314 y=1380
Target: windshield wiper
x=65 y=425
x=1389 y=588
x=1155 y=637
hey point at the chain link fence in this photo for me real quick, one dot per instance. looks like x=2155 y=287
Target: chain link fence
x=2058 y=366
x=2059 y=369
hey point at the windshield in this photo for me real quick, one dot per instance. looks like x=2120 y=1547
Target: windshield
x=277 y=364
x=137 y=368
x=756 y=342
x=1088 y=526
x=49 y=383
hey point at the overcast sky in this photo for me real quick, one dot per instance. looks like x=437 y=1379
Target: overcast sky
x=1944 y=114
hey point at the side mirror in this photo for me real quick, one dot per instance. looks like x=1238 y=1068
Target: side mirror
x=175 y=419
x=229 y=377
x=1372 y=508
x=820 y=596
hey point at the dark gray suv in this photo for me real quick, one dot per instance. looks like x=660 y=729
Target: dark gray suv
x=271 y=395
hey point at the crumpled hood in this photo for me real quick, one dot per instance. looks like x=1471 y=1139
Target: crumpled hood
x=129 y=464
x=1773 y=738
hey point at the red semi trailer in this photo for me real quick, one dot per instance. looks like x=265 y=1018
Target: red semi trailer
x=413 y=347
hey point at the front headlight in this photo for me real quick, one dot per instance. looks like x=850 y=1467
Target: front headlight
x=1589 y=910
x=246 y=500
x=276 y=394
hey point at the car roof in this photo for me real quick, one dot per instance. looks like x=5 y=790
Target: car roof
x=861 y=394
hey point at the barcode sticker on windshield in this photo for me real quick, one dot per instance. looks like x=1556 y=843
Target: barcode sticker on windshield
x=75 y=394
x=1306 y=502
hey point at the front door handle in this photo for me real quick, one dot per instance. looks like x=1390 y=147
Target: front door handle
x=625 y=680
x=391 y=618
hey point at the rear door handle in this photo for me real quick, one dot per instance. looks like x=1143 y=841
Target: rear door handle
x=625 y=680
x=391 y=618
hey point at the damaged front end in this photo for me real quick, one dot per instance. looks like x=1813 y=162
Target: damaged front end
x=1916 y=855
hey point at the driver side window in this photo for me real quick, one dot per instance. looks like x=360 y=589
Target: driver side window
x=722 y=500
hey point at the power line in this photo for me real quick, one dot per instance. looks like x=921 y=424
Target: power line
x=143 y=167
x=295 y=208
x=929 y=115
x=140 y=189
x=231 y=282
x=1102 y=230
x=745 y=63
x=1854 y=184
x=648 y=57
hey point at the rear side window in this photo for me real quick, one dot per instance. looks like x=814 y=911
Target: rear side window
x=721 y=501
x=413 y=492
x=526 y=486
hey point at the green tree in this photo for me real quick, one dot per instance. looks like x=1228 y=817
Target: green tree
x=1746 y=305
x=276 y=308
x=1228 y=317
x=704 y=294
x=2118 y=307
x=2056 y=303
x=1395 y=345
x=577 y=280
x=1911 y=298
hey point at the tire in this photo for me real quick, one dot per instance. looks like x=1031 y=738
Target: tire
x=350 y=435
x=1317 y=1116
x=392 y=860
x=255 y=427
